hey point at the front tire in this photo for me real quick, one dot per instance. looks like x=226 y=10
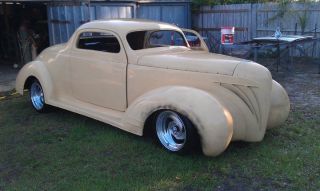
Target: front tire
x=37 y=97
x=175 y=132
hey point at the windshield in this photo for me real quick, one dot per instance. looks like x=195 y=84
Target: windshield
x=152 y=39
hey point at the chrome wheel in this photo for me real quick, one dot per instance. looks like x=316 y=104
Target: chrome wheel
x=171 y=130
x=37 y=96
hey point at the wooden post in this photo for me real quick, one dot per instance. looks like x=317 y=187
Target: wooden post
x=253 y=24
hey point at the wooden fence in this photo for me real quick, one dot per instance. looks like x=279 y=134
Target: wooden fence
x=256 y=20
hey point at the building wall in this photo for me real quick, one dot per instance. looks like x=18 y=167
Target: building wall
x=175 y=13
x=65 y=18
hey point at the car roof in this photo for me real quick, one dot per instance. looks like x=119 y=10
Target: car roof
x=126 y=25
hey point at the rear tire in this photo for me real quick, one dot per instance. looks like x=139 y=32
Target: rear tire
x=175 y=132
x=36 y=94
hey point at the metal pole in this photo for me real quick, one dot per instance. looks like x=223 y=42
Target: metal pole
x=318 y=39
x=314 y=45
x=278 y=51
x=255 y=53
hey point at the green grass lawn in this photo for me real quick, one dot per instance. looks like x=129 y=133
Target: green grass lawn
x=61 y=150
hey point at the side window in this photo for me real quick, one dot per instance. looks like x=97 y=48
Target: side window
x=99 y=41
x=136 y=39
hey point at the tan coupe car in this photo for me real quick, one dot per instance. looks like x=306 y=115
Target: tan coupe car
x=130 y=72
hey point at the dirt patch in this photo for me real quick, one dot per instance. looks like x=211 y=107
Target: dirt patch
x=301 y=79
x=303 y=88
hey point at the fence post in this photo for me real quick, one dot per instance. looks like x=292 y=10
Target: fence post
x=253 y=23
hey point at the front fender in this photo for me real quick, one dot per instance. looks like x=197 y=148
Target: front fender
x=213 y=122
x=38 y=70
x=280 y=106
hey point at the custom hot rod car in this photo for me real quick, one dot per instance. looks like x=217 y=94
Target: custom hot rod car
x=129 y=73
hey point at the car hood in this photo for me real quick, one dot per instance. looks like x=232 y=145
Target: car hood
x=189 y=60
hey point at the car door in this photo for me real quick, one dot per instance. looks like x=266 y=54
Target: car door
x=97 y=69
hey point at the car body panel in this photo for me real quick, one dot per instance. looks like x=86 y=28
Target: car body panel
x=107 y=79
x=226 y=98
x=194 y=61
